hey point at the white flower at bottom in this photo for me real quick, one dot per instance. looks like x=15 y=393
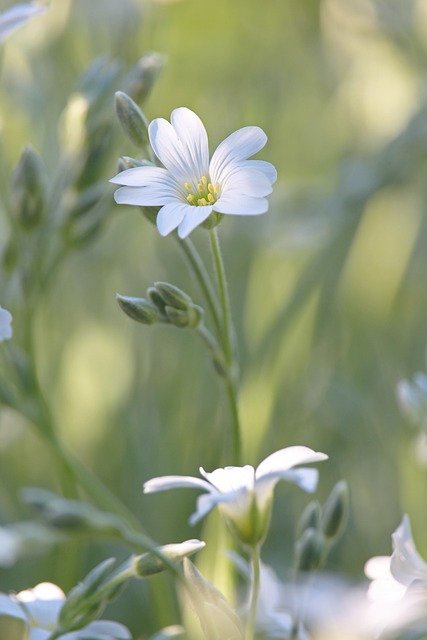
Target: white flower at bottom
x=5 y=324
x=190 y=187
x=39 y=609
x=244 y=494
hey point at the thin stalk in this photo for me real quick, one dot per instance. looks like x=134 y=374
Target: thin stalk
x=250 y=628
x=202 y=277
x=229 y=347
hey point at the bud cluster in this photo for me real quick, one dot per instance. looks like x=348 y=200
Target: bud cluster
x=320 y=527
x=165 y=303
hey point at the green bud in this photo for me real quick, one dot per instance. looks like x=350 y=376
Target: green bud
x=28 y=189
x=126 y=162
x=309 y=550
x=142 y=77
x=156 y=299
x=310 y=517
x=138 y=309
x=148 y=564
x=336 y=509
x=173 y=296
x=78 y=607
x=132 y=119
x=195 y=315
x=178 y=318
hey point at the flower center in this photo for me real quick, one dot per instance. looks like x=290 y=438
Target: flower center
x=205 y=193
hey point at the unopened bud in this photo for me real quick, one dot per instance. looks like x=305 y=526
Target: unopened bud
x=178 y=318
x=126 y=162
x=28 y=189
x=173 y=296
x=138 y=309
x=132 y=119
x=195 y=315
x=335 y=510
x=143 y=75
x=309 y=550
x=148 y=564
x=310 y=518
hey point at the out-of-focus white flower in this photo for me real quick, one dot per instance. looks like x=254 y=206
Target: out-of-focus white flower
x=39 y=609
x=190 y=187
x=5 y=324
x=16 y=16
x=244 y=494
x=406 y=564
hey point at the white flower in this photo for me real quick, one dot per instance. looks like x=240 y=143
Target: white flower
x=39 y=609
x=17 y=16
x=190 y=187
x=244 y=494
x=5 y=324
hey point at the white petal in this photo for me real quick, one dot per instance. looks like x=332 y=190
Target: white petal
x=5 y=324
x=406 y=563
x=193 y=218
x=170 y=216
x=144 y=196
x=231 y=478
x=246 y=182
x=235 y=204
x=142 y=177
x=207 y=501
x=163 y=483
x=169 y=149
x=240 y=145
x=266 y=168
x=41 y=634
x=287 y=458
x=9 y=607
x=192 y=134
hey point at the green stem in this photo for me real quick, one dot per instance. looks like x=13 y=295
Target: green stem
x=229 y=347
x=203 y=279
x=250 y=628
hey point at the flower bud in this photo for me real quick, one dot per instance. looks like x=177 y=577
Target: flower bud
x=28 y=189
x=177 y=317
x=335 y=510
x=142 y=77
x=309 y=550
x=173 y=296
x=138 y=309
x=132 y=119
x=149 y=564
x=310 y=518
x=126 y=162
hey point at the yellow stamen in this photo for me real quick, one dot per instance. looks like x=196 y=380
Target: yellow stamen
x=211 y=198
x=200 y=187
x=190 y=198
x=203 y=180
x=202 y=201
x=187 y=185
x=210 y=188
x=217 y=188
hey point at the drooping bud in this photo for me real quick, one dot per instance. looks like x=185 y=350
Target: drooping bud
x=28 y=189
x=335 y=511
x=132 y=119
x=138 y=309
x=148 y=564
x=309 y=550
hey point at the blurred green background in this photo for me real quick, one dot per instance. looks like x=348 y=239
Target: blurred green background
x=328 y=288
